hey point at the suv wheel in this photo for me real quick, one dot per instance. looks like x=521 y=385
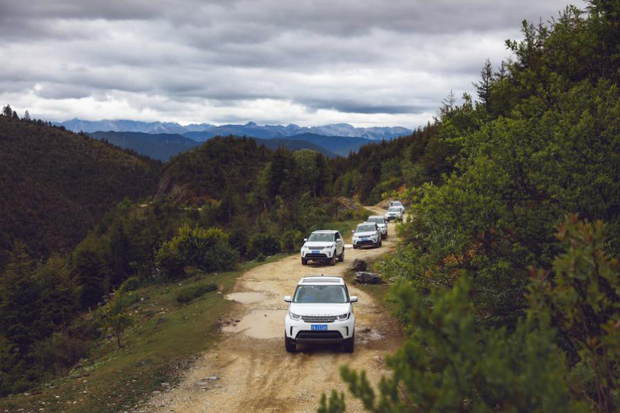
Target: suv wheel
x=304 y=261
x=378 y=243
x=333 y=260
x=290 y=345
x=341 y=258
x=348 y=345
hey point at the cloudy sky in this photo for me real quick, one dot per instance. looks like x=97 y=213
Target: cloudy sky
x=365 y=62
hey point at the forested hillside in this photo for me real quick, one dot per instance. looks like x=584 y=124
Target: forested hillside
x=56 y=184
x=161 y=146
x=509 y=280
x=86 y=221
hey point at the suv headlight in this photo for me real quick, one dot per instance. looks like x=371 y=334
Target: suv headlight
x=294 y=316
x=344 y=316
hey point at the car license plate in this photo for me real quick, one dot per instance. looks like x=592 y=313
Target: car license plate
x=315 y=251
x=318 y=327
x=364 y=238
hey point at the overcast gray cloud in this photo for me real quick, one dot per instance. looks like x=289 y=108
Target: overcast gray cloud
x=366 y=62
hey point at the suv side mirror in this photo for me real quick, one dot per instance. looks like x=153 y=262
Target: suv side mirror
x=305 y=239
x=353 y=299
x=352 y=231
x=287 y=299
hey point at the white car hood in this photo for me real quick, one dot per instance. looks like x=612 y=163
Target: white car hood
x=365 y=234
x=319 y=309
x=313 y=244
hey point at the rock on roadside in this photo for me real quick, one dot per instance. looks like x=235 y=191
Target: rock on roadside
x=359 y=265
x=365 y=277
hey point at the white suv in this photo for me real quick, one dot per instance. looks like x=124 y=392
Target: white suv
x=397 y=204
x=323 y=246
x=320 y=311
x=394 y=213
x=367 y=233
x=381 y=223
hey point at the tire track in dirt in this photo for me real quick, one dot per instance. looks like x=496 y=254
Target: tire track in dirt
x=249 y=369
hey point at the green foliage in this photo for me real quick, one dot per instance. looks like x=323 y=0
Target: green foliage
x=336 y=403
x=71 y=182
x=191 y=293
x=449 y=364
x=90 y=271
x=207 y=249
x=131 y=284
x=291 y=241
x=220 y=166
x=35 y=301
x=116 y=316
x=581 y=295
x=262 y=243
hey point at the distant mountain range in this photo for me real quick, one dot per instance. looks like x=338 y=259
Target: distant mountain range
x=204 y=131
x=162 y=140
x=163 y=146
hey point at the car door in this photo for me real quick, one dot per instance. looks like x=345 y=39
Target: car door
x=339 y=243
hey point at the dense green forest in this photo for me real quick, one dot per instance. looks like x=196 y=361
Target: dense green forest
x=56 y=184
x=508 y=276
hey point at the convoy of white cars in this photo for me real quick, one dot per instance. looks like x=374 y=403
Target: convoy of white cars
x=321 y=309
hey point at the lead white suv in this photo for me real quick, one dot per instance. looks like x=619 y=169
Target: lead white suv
x=323 y=246
x=320 y=311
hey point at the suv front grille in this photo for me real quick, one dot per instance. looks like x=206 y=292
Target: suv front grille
x=318 y=319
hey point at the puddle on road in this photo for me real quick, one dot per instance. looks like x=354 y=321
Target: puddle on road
x=263 y=324
x=246 y=298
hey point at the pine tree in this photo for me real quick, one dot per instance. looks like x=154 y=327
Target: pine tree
x=484 y=86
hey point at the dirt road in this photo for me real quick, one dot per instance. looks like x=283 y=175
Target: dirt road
x=250 y=370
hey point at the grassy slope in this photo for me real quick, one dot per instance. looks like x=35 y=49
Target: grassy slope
x=163 y=340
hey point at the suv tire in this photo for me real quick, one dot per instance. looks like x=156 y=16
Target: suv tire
x=341 y=258
x=333 y=260
x=290 y=345
x=304 y=261
x=348 y=345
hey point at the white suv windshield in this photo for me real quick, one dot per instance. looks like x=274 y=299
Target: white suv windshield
x=314 y=237
x=393 y=210
x=365 y=228
x=396 y=203
x=378 y=220
x=326 y=294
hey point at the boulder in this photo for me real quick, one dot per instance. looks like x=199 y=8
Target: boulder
x=365 y=277
x=358 y=265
